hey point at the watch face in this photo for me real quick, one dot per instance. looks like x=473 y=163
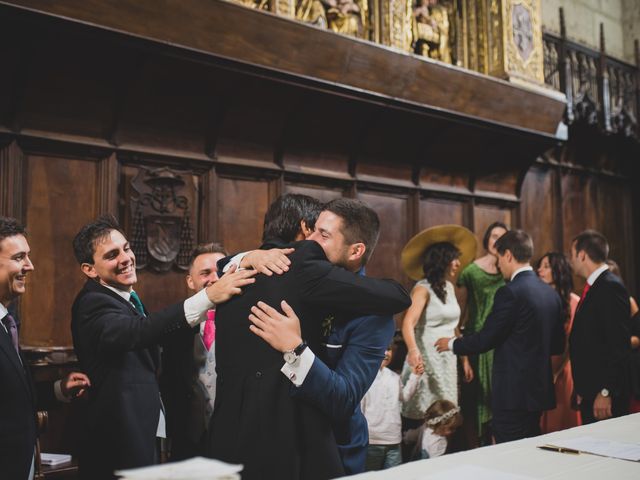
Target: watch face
x=290 y=357
x=604 y=392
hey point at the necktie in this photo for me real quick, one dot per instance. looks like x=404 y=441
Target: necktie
x=10 y=323
x=137 y=303
x=209 y=334
x=584 y=293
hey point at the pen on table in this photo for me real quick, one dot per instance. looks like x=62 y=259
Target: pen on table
x=553 y=448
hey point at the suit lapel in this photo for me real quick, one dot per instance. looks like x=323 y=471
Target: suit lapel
x=6 y=347
x=591 y=293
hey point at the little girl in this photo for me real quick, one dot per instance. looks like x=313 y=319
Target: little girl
x=440 y=421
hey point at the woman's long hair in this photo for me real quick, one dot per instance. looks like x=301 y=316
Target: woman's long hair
x=437 y=259
x=562 y=276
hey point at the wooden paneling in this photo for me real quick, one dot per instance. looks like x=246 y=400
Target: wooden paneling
x=539 y=209
x=393 y=212
x=435 y=211
x=322 y=193
x=240 y=208
x=62 y=196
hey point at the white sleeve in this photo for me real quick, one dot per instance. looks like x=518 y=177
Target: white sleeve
x=298 y=371
x=57 y=390
x=196 y=307
x=410 y=387
x=235 y=260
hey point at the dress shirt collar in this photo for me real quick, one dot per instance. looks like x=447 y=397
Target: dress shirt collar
x=596 y=273
x=3 y=313
x=528 y=268
x=122 y=293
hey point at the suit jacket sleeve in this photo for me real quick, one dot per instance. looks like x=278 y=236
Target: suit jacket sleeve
x=338 y=392
x=614 y=320
x=323 y=284
x=496 y=327
x=113 y=327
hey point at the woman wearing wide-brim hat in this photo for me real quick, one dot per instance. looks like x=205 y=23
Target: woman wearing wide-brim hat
x=433 y=257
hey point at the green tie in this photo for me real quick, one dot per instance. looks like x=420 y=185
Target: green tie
x=137 y=303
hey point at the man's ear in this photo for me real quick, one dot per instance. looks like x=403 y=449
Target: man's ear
x=356 y=251
x=306 y=231
x=89 y=270
x=190 y=283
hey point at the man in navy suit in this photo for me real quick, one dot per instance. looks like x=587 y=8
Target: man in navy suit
x=525 y=327
x=336 y=376
x=599 y=340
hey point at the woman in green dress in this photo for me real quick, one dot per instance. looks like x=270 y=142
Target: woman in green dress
x=477 y=286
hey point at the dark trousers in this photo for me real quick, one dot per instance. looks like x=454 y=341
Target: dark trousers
x=619 y=407
x=510 y=425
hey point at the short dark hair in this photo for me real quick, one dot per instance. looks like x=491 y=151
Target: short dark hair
x=84 y=243
x=518 y=242
x=10 y=227
x=360 y=223
x=283 y=217
x=594 y=244
x=487 y=233
x=204 y=248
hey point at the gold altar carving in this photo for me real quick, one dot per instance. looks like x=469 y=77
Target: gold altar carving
x=502 y=38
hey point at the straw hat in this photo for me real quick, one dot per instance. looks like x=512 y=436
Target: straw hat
x=413 y=252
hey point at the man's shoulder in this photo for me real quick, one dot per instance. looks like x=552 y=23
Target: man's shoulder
x=308 y=249
x=370 y=325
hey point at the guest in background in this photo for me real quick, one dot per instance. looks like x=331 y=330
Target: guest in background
x=433 y=257
x=477 y=285
x=381 y=407
x=599 y=341
x=441 y=420
x=615 y=269
x=554 y=269
x=188 y=379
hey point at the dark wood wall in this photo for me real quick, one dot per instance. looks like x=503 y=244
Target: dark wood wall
x=82 y=113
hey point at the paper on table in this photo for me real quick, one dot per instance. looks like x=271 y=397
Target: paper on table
x=54 y=459
x=474 y=472
x=602 y=446
x=197 y=468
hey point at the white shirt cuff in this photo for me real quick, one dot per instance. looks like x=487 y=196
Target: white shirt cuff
x=235 y=260
x=298 y=371
x=196 y=307
x=450 y=344
x=57 y=390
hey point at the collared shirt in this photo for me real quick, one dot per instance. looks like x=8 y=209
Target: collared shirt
x=596 y=273
x=3 y=313
x=528 y=268
x=195 y=307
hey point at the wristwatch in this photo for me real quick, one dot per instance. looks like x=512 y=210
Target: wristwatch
x=291 y=356
x=604 y=392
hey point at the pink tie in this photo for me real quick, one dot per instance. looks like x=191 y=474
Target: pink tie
x=209 y=334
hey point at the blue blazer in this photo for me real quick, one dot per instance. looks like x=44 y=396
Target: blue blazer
x=525 y=327
x=342 y=372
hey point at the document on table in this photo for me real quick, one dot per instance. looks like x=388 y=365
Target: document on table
x=475 y=472
x=54 y=459
x=196 y=468
x=602 y=447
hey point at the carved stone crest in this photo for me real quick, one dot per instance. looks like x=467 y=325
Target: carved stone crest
x=162 y=231
x=522 y=31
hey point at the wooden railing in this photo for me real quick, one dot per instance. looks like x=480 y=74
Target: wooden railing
x=601 y=91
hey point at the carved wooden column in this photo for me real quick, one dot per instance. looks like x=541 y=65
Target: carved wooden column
x=11 y=181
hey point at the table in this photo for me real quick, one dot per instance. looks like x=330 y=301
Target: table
x=523 y=458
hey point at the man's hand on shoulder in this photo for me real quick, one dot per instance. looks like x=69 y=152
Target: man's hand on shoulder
x=280 y=331
x=230 y=284
x=268 y=261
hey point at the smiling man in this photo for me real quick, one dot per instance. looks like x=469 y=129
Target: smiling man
x=116 y=340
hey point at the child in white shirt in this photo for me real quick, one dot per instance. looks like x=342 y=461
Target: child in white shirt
x=381 y=407
x=441 y=420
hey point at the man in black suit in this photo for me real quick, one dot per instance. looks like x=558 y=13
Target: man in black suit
x=116 y=341
x=599 y=340
x=525 y=329
x=256 y=420
x=18 y=397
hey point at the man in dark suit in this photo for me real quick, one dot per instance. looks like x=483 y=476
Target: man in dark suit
x=116 y=341
x=18 y=398
x=188 y=377
x=599 y=340
x=525 y=329
x=349 y=358
x=256 y=421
